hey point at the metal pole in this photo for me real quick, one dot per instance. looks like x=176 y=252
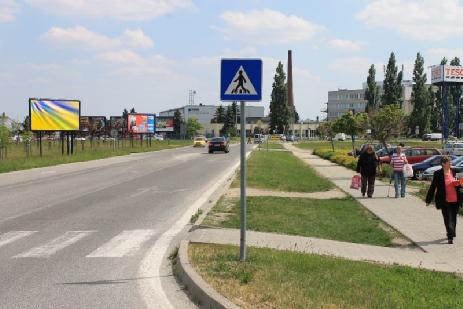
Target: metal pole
x=445 y=103
x=243 y=183
x=40 y=143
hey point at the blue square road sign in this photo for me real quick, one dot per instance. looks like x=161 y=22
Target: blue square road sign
x=241 y=80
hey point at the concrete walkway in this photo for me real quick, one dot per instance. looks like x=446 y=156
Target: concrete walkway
x=336 y=193
x=423 y=225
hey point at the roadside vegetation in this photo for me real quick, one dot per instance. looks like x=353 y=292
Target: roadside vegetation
x=335 y=219
x=282 y=171
x=18 y=159
x=282 y=279
x=270 y=145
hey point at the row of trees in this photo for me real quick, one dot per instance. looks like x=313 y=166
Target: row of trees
x=427 y=113
x=229 y=118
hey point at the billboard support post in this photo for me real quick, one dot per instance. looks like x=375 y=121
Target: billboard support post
x=243 y=182
x=62 y=143
x=40 y=143
x=72 y=143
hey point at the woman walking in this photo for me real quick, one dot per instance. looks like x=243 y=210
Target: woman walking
x=366 y=166
x=398 y=162
x=444 y=190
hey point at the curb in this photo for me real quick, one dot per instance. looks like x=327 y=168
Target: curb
x=202 y=292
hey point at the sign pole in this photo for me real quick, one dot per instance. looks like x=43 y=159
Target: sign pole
x=243 y=183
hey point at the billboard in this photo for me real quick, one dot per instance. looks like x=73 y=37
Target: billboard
x=446 y=73
x=117 y=123
x=93 y=124
x=54 y=115
x=141 y=123
x=85 y=124
x=164 y=124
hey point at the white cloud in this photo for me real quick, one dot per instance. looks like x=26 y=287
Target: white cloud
x=267 y=27
x=123 y=56
x=450 y=53
x=345 y=45
x=418 y=20
x=117 y=9
x=8 y=10
x=137 y=39
x=357 y=65
x=82 y=37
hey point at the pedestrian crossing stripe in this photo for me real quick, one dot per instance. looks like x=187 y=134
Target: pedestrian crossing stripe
x=12 y=236
x=241 y=84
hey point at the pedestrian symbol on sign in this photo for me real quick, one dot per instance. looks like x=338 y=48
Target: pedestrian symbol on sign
x=241 y=84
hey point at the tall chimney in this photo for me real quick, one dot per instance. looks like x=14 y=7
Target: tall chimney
x=290 y=86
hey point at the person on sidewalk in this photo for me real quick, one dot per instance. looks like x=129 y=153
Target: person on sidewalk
x=366 y=166
x=445 y=192
x=398 y=161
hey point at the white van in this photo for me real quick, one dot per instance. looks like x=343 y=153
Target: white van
x=340 y=137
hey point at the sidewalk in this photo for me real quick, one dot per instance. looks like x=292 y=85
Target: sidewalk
x=423 y=225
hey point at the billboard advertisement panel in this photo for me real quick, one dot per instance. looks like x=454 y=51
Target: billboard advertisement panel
x=447 y=73
x=141 y=123
x=54 y=115
x=164 y=124
x=93 y=124
x=117 y=123
x=85 y=124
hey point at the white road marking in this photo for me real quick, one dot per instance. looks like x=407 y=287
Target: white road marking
x=55 y=245
x=126 y=243
x=151 y=288
x=9 y=237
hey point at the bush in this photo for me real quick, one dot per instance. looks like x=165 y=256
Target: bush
x=338 y=157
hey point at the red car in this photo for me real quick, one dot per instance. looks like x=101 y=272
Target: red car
x=414 y=155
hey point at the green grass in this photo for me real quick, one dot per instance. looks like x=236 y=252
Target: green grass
x=336 y=219
x=282 y=171
x=270 y=145
x=281 y=279
x=17 y=160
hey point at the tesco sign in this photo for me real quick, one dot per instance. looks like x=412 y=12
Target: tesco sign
x=447 y=73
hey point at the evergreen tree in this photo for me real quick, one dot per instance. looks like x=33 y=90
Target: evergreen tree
x=219 y=116
x=132 y=110
x=177 y=122
x=392 y=84
x=234 y=111
x=455 y=92
x=279 y=114
x=438 y=114
x=372 y=91
x=420 y=116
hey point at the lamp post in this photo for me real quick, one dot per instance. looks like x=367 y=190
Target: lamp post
x=191 y=97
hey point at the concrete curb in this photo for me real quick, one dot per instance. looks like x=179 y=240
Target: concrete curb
x=200 y=290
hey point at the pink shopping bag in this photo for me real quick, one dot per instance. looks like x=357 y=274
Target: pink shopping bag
x=355 y=182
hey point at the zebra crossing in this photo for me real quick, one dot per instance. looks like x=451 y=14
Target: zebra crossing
x=125 y=244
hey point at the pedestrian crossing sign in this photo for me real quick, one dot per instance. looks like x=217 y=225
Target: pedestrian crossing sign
x=241 y=80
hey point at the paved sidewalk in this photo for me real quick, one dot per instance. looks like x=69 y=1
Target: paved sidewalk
x=423 y=225
x=357 y=252
x=335 y=193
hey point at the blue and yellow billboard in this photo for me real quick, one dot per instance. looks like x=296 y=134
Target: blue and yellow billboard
x=54 y=115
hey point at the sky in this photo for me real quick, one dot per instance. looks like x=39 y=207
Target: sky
x=149 y=54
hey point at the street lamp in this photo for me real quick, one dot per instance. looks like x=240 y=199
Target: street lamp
x=191 y=97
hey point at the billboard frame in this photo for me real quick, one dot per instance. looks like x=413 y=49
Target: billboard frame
x=142 y=114
x=163 y=131
x=47 y=99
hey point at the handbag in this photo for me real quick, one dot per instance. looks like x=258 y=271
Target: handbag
x=408 y=170
x=355 y=182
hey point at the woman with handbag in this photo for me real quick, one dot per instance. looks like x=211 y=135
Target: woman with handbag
x=444 y=189
x=366 y=166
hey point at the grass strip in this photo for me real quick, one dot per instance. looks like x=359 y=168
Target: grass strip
x=282 y=171
x=281 y=279
x=335 y=219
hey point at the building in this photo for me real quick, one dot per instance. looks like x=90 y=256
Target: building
x=205 y=113
x=345 y=100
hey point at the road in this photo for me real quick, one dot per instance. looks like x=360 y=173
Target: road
x=84 y=235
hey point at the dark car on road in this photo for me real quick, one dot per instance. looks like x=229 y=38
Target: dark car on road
x=219 y=144
x=414 y=154
x=419 y=168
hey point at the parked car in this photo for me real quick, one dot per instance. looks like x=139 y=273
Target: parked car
x=158 y=137
x=219 y=144
x=429 y=173
x=414 y=154
x=340 y=137
x=290 y=138
x=457 y=149
x=448 y=148
x=199 y=141
x=82 y=139
x=363 y=147
x=259 y=138
x=432 y=137
x=419 y=168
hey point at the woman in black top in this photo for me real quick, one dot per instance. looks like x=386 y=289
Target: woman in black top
x=366 y=166
x=444 y=189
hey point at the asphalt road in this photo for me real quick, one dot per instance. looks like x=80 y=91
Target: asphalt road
x=75 y=236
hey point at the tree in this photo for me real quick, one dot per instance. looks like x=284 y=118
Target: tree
x=193 y=126
x=132 y=110
x=455 y=92
x=422 y=105
x=327 y=129
x=4 y=135
x=385 y=122
x=438 y=110
x=177 y=122
x=372 y=92
x=392 y=85
x=219 y=116
x=26 y=123
x=351 y=124
x=234 y=111
x=279 y=113
x=229 y=123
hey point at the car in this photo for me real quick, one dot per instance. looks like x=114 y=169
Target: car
x=432 y=137
x=429 y=173
x=199 y=141
x=283 y=138
x=158 y=137
x=363 y=147
x=82 y=139
x=414 y=154
x=340 y=137
x=457 y=149
x=290 y=138
x=448 y=148
x=258 y=138
x=419 y=168
x=219 y=144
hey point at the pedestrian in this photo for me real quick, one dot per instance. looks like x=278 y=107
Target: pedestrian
x=366 y=166
x=249 y=140
x=444 y=189
x=398 y=161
